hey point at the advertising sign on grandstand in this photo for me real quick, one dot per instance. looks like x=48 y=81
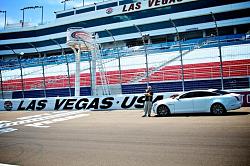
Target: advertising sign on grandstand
x=78 y=37
x=146 y=4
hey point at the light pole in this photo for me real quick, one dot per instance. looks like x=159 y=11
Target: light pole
x=31 y=7
x=64 y=3
x=42 y=14
x=180 y=50
x=5 y=20
x=145 y=50
x=23 y=16
x=119 y=58
x=219 y=47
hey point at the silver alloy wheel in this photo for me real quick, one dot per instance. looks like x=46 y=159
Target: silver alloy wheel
x=217 y=109
x=163 y=110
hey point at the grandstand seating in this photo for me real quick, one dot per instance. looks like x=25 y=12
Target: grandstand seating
x=124 y=51
x=163 y=75
x=236 y=68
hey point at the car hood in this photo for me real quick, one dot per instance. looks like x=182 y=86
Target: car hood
x=167 y=100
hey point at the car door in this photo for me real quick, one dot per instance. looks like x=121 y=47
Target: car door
x=184 y=103
x=202 y=101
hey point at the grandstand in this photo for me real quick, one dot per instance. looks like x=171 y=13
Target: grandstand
x=131 y=62
x=200 y=64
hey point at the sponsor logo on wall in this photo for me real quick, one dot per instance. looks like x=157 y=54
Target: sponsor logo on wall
x=128 y=102
x=79 y=103
x=8 y=105
x=150 y=3
x=109 y=10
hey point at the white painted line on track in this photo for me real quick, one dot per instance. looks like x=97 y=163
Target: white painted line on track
x=4 y=121
x=44 y=123
x=33 y=116
x=7 y=130
x=7 y=165
x=41 y=120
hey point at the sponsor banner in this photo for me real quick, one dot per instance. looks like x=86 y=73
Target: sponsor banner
x=142 y=5
x=114 y=102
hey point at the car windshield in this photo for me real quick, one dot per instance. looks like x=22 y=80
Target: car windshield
x=174 y=96
x=195 y=94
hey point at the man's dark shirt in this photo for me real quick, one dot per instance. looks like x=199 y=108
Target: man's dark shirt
x=149 y=98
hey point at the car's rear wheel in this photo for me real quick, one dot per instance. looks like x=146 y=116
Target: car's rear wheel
x=163 y=110
x=217 y=109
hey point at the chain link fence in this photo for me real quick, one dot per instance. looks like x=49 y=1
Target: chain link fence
x=160 y=65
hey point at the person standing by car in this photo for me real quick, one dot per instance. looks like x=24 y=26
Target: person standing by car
x=148 y=102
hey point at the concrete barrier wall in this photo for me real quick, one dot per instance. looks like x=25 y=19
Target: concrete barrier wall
x=245 y=96
x=113 y=102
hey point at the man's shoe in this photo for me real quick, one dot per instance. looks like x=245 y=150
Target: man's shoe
x=149 y=115
x=144 y=116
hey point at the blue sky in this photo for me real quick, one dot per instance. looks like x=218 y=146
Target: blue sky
x=14 y=14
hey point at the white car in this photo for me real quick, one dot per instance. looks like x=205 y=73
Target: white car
x=216 y=102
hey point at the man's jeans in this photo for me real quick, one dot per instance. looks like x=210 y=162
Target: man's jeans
x=147 y=107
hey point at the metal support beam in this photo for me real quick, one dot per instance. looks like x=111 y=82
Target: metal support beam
x=67 y=63
x=91 y=80
x=1 y=80
x=219 y=47
x=180 y=50
x=146 y=52
x=44 y=81
x=77 y=71
x=21 y=69
x=119 y=58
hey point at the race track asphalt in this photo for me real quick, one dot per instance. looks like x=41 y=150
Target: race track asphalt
x=124 y=138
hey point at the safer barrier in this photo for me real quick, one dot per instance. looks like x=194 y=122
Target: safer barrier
x=113 y=102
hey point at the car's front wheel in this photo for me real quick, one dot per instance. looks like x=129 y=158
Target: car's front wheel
x=163 y=110
x=217 y=109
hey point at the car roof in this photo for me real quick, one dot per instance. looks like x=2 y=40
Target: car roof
x=199 y=90
x=202 y=90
